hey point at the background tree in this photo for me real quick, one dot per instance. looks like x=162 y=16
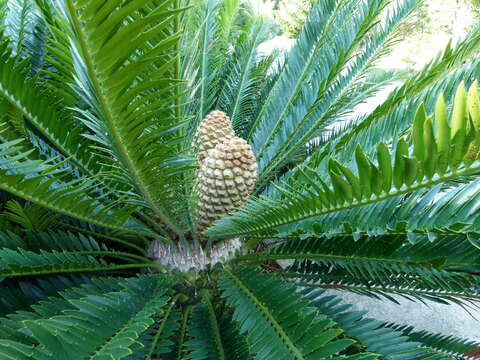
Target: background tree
x=434 y=23
x=291 y=16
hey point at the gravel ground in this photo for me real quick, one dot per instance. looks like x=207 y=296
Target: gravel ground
x=446 y=319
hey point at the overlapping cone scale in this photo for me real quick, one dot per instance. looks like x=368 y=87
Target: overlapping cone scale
x=225 y=180
x=213 y=130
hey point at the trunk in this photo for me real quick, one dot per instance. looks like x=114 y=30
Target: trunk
x=178 y=257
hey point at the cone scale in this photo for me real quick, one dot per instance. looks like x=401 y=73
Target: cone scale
x=213 y=130
x=227 y=172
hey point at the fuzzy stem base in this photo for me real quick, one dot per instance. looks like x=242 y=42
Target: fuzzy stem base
x=182 y=258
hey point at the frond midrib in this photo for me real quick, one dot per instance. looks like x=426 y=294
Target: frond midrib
x=259 y=257
x=275 y=162
x=326 y=210
x=389 y=288
x=161 y=328
x=115 y=133
x=278 y=328
x=295 y=93
x=245 y=70
x=68 y=212
x=126 y=326
x=214 y=326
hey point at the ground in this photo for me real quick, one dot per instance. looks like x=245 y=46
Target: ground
x=446 y=319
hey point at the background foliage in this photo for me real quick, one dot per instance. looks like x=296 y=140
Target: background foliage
x=434 y=23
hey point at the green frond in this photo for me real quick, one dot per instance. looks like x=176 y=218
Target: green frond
x=385 y=289
x=451 y=250
x=227 y=18
x=59 y=252
x=27 y=263
x=236 y=346
x=31 y=217
x=376 y=257
x=433 y=212
x=179 y=351
x=395 y=114
x=373 y=81
x=333 y=92
x=276 y=322
x=55 y=305
x=129 y=87
x=10 y=240
x=58 y=73
x=214 y=334
x=383 y=262
x=452 y=210
x=26 y=31
x=13 y=119
x=448 y=345
x=244 y=73
x=297 y=71
x=202 y=62
x=11 y=326
x=40 y=183
x=159 y=341
x=204 y=330
x=459 y=251
x=14 y=350
x=128 y=240
x=110 y=323
x=221 y=64
x=23 y=294
x=61 y=133
x=391 y=120
x=402 y=168
x=386 y=265
x=441 y=286
x=61 y=240
x=372 y=334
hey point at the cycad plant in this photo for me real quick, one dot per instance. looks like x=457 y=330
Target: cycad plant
x=155 y=167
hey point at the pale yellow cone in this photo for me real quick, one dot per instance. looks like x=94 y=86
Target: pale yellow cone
x=226 y=179
x=212 y=130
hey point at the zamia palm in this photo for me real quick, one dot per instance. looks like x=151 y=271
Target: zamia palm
x=156 y=166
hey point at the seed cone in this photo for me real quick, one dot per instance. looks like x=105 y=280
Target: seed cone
x=212 y=130
x=225 y=180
